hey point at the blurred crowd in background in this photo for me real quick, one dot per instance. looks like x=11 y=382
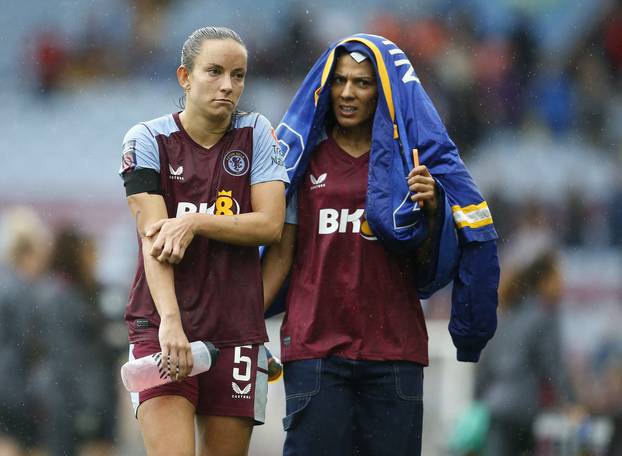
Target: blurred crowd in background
x=531 y=92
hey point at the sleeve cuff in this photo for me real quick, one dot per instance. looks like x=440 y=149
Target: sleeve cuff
x=468 y=356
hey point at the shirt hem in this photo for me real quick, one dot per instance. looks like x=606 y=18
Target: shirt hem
x=299 y=356
x=218 y=343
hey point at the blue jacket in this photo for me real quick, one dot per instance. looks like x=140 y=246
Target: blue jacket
x=406 y=119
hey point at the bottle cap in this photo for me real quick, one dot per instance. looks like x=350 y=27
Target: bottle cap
x=213 y=351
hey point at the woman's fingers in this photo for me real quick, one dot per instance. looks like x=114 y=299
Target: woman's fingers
x=176 y=362
x=166 y=251
x=420 y=179
x=166 y=364
x=171 y=242
x=158 y=245
x=423 y=186
x=426 y=196
x=155 y=227
x=186 y=363
x=176 y=254
x=419 y=170
x=173 y=363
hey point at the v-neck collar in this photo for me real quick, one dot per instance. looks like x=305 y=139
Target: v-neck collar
x=189 y=138
x=346 y=156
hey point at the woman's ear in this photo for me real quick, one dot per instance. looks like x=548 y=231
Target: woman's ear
x=183 y=77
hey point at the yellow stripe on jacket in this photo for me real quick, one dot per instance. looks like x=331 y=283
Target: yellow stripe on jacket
x=472 y=216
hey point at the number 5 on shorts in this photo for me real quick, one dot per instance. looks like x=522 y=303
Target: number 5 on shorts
x=239 y=359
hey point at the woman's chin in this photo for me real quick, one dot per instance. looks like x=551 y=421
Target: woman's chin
x=219 y=112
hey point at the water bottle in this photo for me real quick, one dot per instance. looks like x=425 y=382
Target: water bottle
x=149 y=371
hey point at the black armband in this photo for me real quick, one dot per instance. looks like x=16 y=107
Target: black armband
x=143 y=180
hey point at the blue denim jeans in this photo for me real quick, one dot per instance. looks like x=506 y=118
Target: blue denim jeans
x=341 y=407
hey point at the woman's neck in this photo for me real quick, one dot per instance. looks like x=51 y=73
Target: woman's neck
x=355 y=141
x=203 y=130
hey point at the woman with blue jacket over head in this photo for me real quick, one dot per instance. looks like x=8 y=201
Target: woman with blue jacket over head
x=369 y=232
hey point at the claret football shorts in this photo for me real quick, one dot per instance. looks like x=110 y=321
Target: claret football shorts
x=236 y=385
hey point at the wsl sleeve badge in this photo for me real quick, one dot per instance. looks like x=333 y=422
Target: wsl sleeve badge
x=128 y=159
x=236 y=163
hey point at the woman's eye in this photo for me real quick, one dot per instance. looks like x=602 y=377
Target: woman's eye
x=212 y=71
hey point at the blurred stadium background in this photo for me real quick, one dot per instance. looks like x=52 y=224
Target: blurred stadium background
x=531 y=91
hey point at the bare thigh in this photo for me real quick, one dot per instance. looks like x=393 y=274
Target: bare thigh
x=224 y=435
x=167 y=425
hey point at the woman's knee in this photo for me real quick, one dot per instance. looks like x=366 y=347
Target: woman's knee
x=224 y=435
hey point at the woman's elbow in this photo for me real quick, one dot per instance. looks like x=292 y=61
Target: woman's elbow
x=274 y=230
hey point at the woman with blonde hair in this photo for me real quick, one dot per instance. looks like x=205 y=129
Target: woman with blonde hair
x=206 y=186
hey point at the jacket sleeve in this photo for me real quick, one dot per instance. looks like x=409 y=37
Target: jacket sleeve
x=474 y=299
x=445 y=253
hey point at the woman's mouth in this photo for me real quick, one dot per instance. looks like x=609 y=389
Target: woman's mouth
x=347 y=111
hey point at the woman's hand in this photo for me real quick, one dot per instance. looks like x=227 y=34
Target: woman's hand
x=423 y=185
x=176 y=351
x=173 y=238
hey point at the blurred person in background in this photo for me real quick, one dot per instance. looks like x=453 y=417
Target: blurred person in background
x=218 y=173
x=80 y=392
x=598 y=383
x=51 y=58
x=26 y=252
x=525 y=361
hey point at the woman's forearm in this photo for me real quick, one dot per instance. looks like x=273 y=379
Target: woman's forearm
x=147 y=209
x=160 y=279
x=277 y=263
x=255 y=228
x=423 y=254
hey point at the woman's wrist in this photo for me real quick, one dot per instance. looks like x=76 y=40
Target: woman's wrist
x=195 y=223
x=170 y=316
